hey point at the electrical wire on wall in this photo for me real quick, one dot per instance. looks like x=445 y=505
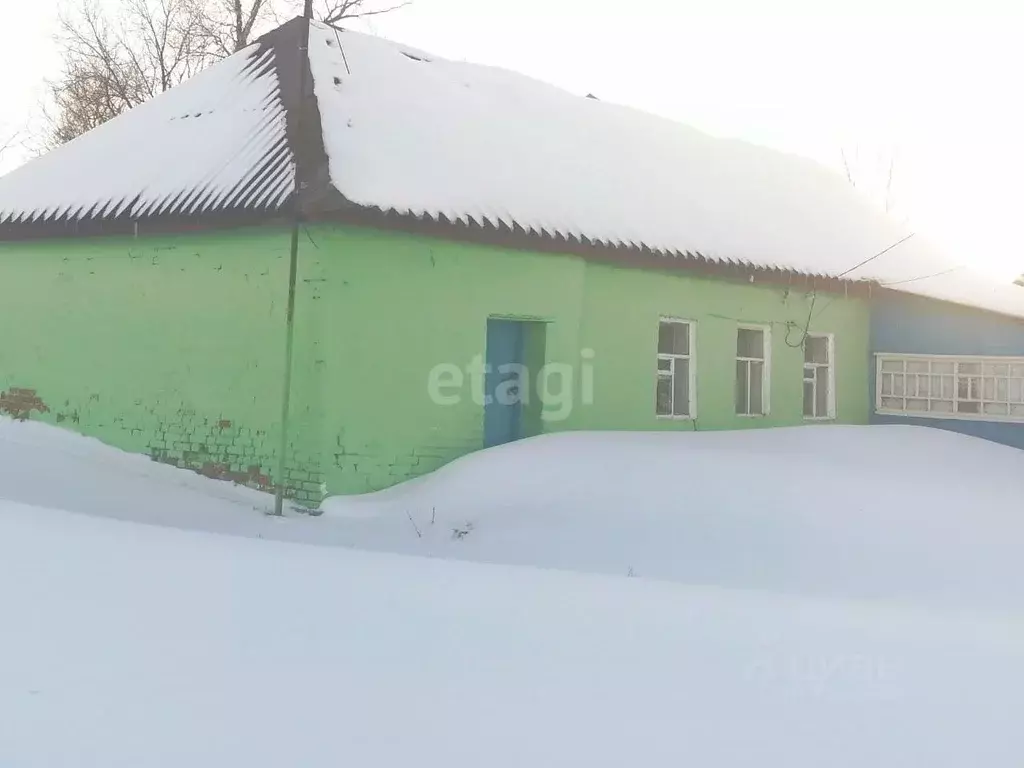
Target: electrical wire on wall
x=789 y=325
x=792 y=326
x=811 y=314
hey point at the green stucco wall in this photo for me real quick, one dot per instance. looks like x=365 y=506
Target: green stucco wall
x=621 y=320
x=172 y=346
x=167 y=346
x=401 y=305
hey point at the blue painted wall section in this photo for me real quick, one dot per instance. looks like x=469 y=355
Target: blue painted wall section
x=915 y=325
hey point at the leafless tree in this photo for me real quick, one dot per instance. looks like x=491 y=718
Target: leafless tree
x=230 y=25
x=334 y=11
x=112 y=62
x=15 y=144
x=7 y=143
x=122 y=53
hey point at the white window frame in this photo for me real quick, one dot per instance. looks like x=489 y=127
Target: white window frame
x=691 y=406
x=766 y=375
x=830 y=405
x=957 y=360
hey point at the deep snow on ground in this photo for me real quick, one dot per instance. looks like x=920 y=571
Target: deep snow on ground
x=882 y=512
x=44 y=466
x=888 y=512
x=832 y=596
x=127 y=645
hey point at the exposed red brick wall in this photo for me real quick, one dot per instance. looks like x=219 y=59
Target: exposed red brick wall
x=19 y=403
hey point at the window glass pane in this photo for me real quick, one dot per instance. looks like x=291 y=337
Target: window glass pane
x=750 y=343
x=809 y=372
x=917 y=366
x=821 y=406
x=966 y=407
x=681 y=400
x=942 y=406
x=1017 y=409
x=756 y=387
x=988 y=389
x=1001 y=389
x=892 y=365
x=897 y=385
x=947 y=386
x=663 y=396
x=970 y=368
x=664 y=365
x=674 y=339
x=816 y=349
x=917 y=405
x=1017 y=370
x=893 y=403
x=1015 y=390
x=997 y=409
x=942 y=367
x=808 y=398
x=741 y=386
x=887 y=386
x=996 y=369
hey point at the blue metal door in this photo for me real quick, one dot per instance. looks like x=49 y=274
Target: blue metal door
x=502 y=404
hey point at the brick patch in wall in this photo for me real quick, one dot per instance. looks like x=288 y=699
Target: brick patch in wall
x=221 y=451
x=18 y=403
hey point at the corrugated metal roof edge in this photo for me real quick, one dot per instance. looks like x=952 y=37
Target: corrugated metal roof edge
x=244 y=202
x=439 y=225
x=499 y=234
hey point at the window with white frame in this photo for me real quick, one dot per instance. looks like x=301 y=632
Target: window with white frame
x=752 y=370
x=982 y=388
x=819 y=377
x=674 y=394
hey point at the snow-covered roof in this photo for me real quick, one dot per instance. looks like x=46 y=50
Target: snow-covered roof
x=408 y=132
x=415 y=133
x=216 y=141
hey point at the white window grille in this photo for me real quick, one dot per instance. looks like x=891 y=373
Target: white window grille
x=941 y=386
x=819 y=377
x=752 y=370
x=674 y=394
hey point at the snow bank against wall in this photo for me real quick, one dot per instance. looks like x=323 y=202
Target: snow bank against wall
x=885 y=511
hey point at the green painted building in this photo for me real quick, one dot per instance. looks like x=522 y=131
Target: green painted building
x=457 y=285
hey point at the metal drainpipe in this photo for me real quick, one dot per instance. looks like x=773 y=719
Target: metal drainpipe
x=293 y=267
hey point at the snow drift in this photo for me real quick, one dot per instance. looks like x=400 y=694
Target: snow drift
x=129 y=645
x=888 y=512
x=883 y=512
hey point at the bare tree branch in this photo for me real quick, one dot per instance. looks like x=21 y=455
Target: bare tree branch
x=336 y=10
x=846 y=167
x=874 y=174
x=119 y=54
x=7 y=143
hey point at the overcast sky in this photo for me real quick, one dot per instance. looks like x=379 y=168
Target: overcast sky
x=941 y=84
